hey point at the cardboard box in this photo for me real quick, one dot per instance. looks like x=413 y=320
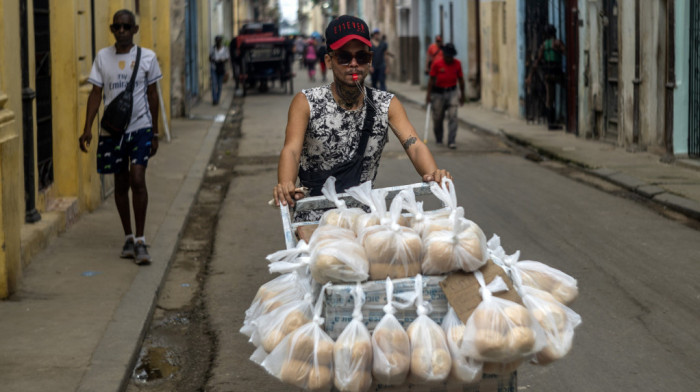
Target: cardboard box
x=339 y=303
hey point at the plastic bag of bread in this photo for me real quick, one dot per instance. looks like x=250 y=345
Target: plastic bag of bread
x=500 y=330
x=338 y=260
x=282 y=290
x=461 y=246
x=534 y=273
x=375 y=200
x=341 y=216
x=557 y=321
x=390 y=345
x=304 y=358
x=330 y=232
x=352 y=352
x=430 y=356
x=464 y=369
x=392 y=250
x=272 y=327
x=288 y=260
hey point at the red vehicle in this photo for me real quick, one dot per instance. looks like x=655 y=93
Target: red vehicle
x=264 y=58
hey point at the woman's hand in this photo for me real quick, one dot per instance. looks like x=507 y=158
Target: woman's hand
x=286 y=193
x=437 y=176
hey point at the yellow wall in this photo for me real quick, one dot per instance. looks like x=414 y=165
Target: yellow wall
x=11 y=183
x=75 y=173
x=499 y=62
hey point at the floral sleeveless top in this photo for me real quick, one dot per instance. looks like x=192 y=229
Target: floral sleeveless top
x=333 y=135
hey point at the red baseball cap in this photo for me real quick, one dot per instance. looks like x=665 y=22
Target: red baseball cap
x=346 y=28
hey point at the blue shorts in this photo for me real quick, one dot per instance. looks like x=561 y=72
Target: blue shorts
x=114 y=155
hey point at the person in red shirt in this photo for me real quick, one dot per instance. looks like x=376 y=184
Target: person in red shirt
x=434 y=53
x=442 y=93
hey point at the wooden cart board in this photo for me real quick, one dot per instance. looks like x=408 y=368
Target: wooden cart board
x=462 y=289
x=304 y=232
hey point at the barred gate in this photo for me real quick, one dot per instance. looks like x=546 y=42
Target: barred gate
x=694 y=123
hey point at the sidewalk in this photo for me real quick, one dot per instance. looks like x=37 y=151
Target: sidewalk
x=676 y=185
x=77 y=321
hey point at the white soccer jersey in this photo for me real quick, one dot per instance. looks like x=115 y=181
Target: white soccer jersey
x=112 y=72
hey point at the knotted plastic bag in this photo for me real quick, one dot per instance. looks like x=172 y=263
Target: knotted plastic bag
x=375 y=200
x=430 y=356
x=500 y=330
x=341 y=216
x=304 y=358
x=460 y=245
x=352 y=352
x=272 y=327
x=557 y=321
x=390 y=345
x=338 y=260
x=392 y=250
x=464 y=369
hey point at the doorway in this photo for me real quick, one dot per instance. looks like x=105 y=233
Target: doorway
x=694 y=92
x=44 y=119
x=611 y=59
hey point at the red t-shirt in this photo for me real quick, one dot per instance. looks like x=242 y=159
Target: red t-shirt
x=434 y=52
x=446 y=75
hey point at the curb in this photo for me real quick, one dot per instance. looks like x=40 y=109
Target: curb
x=118 y=349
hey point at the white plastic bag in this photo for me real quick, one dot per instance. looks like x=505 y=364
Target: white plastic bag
x=464 y=369
x=341 y=216
x=272 y=327
x=534 y=273
x=304 y=358
x=341 y=260
x=430 y=356
x=392 y=250
x=352 y=352
x=375 y=199
x=500 y=330
x=273 y=294
x=390 y=345
x=460 y=246
x=557 y=321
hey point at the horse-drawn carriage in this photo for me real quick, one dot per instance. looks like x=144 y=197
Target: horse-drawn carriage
x=264 y=58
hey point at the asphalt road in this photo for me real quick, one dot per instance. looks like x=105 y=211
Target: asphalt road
x=637 y=270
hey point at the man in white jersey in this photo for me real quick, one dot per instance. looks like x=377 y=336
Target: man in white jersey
x=127 y=156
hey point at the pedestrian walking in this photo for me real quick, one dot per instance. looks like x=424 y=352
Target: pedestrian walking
x=340 y=129
x=310 y=58
x=380 y=51
x=442 y=94
x=218 y=57
x=550 y=55
x=320 y=54
x=434 y=52
x=235 y=54
x=126 y=156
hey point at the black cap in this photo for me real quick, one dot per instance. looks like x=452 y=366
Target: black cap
x=346 y=28
x=449 y=50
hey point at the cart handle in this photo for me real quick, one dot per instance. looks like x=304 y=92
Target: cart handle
x=321 y=202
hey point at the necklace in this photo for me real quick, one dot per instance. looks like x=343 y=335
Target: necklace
x=347 y=98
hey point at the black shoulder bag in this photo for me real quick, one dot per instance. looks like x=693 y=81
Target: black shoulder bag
x=347 y=174
x=117 y=114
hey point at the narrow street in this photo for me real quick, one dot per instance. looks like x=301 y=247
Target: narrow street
x=636 y=272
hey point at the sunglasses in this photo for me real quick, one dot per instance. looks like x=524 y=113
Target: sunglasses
x=117 y=26
x=345 y=58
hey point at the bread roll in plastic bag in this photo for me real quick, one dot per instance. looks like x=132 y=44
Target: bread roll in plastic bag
x=275 y=293
x=461 y=247
x=464 y=369
x=341 y=216
x=390 y=345
x=535 y=274
x=272 y=327
x=557 y=321
x=352 y=352
x=375 y=200
x=392 y=250
x=430 y=356
x=339 y=261
x=500 y=330
x=304 y=358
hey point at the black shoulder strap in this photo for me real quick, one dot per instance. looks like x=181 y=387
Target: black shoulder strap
x=130 y=86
